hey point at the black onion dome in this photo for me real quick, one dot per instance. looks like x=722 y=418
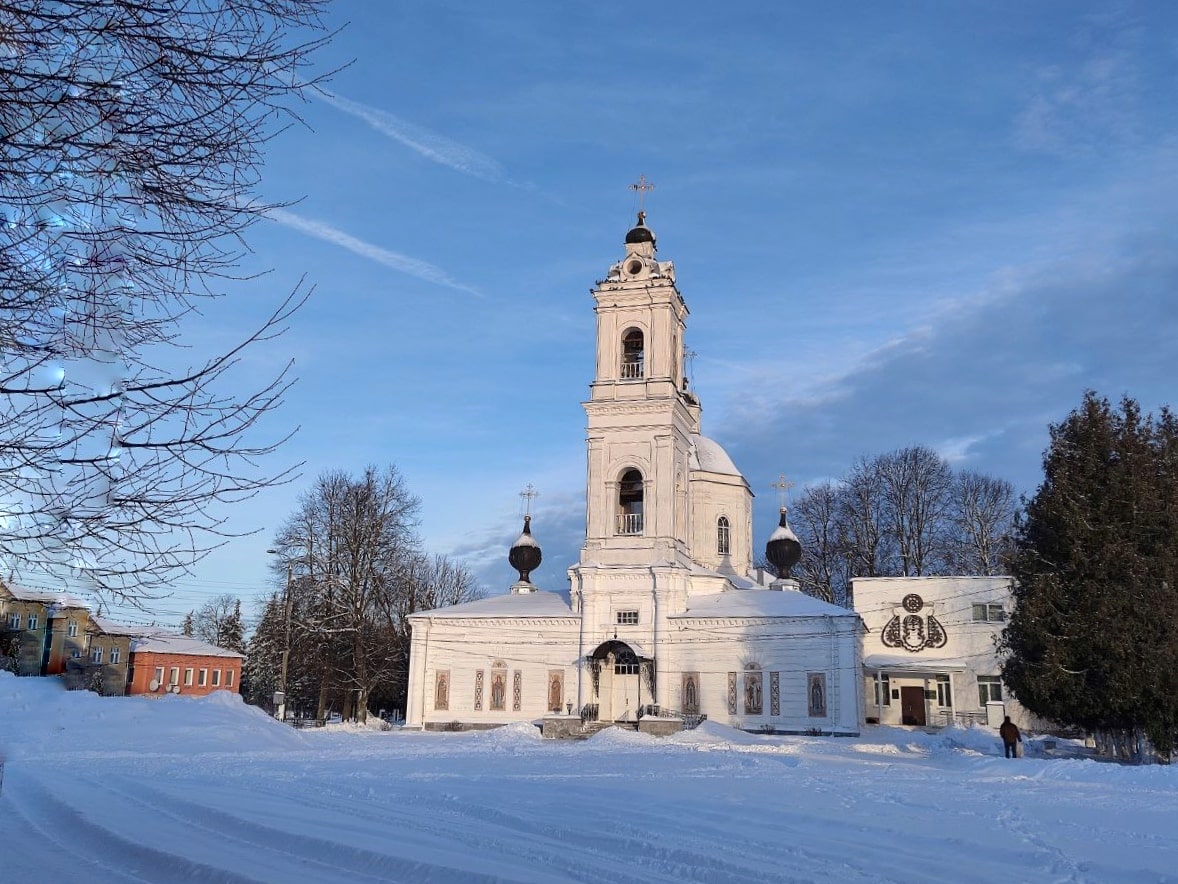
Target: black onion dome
x=525 y=554
x=640 y=233
x=783 y=549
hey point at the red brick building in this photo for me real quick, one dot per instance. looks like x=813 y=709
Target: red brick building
x=163 y=663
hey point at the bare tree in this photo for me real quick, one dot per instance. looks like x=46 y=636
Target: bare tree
x=983 y=510
x=218 y=622
x=916 y=485
x=352 y=538
x=862 y=518
x=822 y=569
x=133 y=132
x=904 y=513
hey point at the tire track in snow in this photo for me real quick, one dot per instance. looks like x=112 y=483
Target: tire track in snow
x=94 y=843
x=331 y=859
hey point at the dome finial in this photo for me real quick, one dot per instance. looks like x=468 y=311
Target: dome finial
x=525 y=555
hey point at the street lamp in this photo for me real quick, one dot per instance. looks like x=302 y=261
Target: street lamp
x=280 y=694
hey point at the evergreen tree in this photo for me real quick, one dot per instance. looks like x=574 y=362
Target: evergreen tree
x=259 y=672
x=188 y=627
x=231 y=631
x=1093 y=639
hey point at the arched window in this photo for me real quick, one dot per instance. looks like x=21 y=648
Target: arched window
x=630 y=503
x=723 y=536
x=633 y=355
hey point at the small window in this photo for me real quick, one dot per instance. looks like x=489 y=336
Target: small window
x=32 y=621
x=944 y=691
x=174 y=675
x=723 y=536
x=202 y=678
x=989 y=689
x=989 y=613
x=14 y=621
x=625 y=669
x=72 y=629
x=883 y=690
x=114 y=655
x=159 y=675
x=627 y=618
x=228 y=678
x=188 y=676
x=96 y=653
x=216 y=678
x=75 y=654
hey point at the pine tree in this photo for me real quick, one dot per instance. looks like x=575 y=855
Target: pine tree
x=231 y=631
x=259 y=672
x=1093 y=640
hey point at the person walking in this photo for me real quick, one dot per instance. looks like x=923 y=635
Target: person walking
x=1010 y=737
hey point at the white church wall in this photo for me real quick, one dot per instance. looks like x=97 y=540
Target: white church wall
x=713 y=496
x=727 y=653
x=471 y=654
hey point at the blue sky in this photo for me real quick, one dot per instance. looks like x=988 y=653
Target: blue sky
x=894 y=224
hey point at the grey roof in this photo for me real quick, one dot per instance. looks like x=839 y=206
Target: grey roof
x=170 y=643
x=45 y=597
x=113 y=627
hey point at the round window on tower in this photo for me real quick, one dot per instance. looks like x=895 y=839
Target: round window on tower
x=634 y=267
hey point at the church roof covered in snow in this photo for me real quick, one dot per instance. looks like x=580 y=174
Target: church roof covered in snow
x=708 y=456
x=530 y=604
x=171 y=643
x=760 y=603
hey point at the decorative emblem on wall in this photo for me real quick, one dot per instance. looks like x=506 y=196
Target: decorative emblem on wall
x=911 y=629
x=517 y=690
x=478 y=690
x=731 y=693
x=774 y=693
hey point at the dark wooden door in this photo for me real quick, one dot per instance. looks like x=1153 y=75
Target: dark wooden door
x=912 y=706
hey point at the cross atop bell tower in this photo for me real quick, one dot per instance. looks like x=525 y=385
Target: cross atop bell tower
x=641 y=186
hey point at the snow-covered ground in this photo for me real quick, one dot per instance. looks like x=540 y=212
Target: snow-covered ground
x=211 y=790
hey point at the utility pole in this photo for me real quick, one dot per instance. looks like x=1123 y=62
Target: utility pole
x=287 y=602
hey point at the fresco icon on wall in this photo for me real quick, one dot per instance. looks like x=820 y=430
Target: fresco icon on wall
x=913 y=626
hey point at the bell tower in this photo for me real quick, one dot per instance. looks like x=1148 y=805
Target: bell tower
x=640 y=414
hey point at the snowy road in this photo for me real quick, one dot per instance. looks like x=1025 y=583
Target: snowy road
x=175 y=799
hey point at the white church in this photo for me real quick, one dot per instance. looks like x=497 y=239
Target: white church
x=665 y=619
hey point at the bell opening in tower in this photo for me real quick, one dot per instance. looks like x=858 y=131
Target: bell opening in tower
x=633 y=355
x=630 y=492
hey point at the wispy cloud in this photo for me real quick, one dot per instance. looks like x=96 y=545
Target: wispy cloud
x=429 y=144
x=387 y=257
x=1089 y=101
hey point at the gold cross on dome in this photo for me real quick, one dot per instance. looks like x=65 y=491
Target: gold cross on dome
x=782 y=485
x=641 y=187
x=528 y=495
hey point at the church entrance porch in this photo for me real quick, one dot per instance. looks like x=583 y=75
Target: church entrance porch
x=618 y=691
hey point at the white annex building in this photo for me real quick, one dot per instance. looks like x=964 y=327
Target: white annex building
x=665 y=616
x=930 y=655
